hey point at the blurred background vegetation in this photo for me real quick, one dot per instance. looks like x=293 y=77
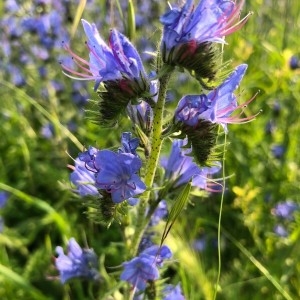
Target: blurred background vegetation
x=43 y=123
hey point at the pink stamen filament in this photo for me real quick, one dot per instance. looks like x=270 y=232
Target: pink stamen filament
x=71 y=167
x=236 y=119
x=237 y=26
x=81 y=63
x=229 y=26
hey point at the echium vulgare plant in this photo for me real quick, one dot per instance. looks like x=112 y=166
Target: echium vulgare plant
x=134 y=179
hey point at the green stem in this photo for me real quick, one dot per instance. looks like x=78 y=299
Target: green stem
x=156 y=143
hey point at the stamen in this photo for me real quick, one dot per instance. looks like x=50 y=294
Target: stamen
x=88 y=70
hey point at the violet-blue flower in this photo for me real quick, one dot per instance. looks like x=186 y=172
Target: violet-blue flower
x=118 y=174
x=47 y=131
x=77 y=263
x=107 y=62
x=189 y=33
x=141 y=115
x=172 y=292
x=139 y=270
x=88 y=157
x=278 y=151
x=145 y=266
x=83 y=179
x=160 y=213
x=285 y=209
x=180 y=168
x=280 y=230
x=217 y=106
x=211 y=21
x=294 y=63
x=129 y=144
x=160 y=253
x=3 y=198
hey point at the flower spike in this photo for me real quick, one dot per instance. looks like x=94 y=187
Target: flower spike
x=117 y=65
x=190 y=33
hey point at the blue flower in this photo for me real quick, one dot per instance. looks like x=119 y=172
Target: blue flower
x=278 y=151
x=160 y=253
x=285 y=210
x=145 y=266
x=211 y=21
x=294 y=63
x=280 y=230
x=172 y=292
x=200 y=244
x=180 y=168
x=160 y=213
x=88 y=157
x=189 y=35
x=47 y=131
x=83 y=179
x=129 y=144
x=117 y=174
x=141 y=115
x=77 y=263
x=3 y=198
x=191 y=107
x=139 y=270
x=110 y=62
x=215 y=107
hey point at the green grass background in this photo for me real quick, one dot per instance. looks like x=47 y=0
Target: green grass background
x=42 y=213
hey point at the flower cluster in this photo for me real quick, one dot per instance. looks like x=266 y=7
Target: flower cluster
x=197 y=115
x=190 y=33
x=113 y=172
x=136 y=173
x=117 y=65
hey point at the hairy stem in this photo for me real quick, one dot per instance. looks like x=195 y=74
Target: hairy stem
x=156 y=143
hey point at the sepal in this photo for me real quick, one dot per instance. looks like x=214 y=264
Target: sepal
x=200 y=59
x=116 y=96
x=202 y=139
x=103 y=210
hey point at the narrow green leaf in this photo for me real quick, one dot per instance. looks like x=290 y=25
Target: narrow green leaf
x=78 y=15
x=131 y=20
x=22 y=96
x=39 y=203
x=177 y=208
x=120 y=11
x=259 y=266
x=21 y=282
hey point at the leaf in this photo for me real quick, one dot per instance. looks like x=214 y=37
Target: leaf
x=10 y=275
x=131 y=20
x=177 y=208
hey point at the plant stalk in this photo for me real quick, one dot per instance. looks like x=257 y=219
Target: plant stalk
x=152 y=163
